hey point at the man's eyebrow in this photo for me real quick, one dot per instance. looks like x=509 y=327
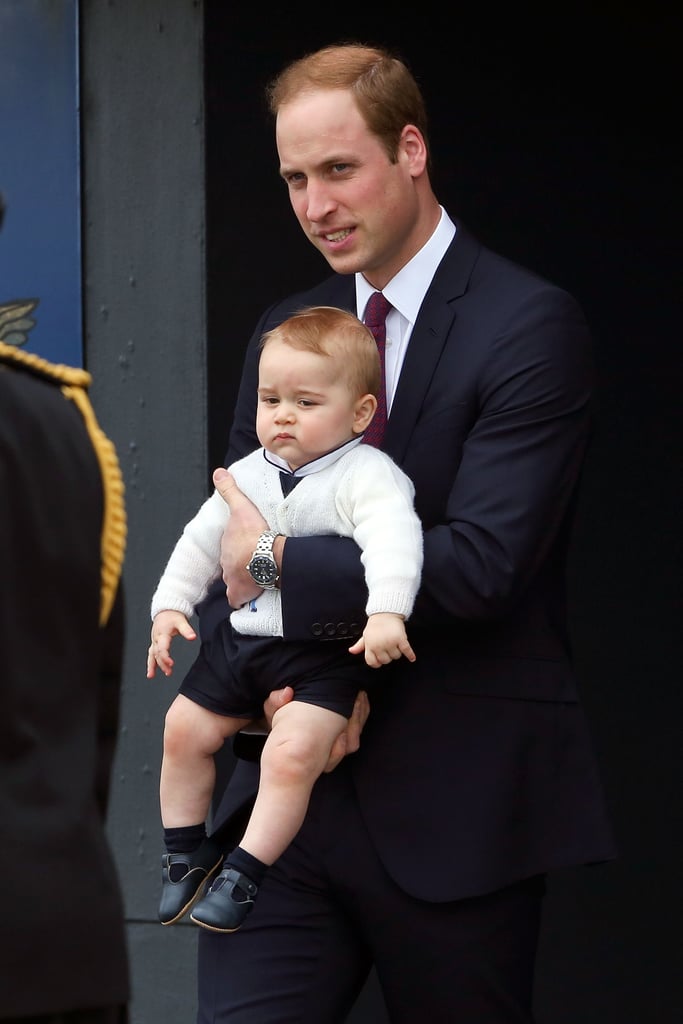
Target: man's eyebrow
x=329 y=161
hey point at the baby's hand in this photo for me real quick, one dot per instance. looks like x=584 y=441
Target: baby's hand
x=384 y=639
x=166 y=625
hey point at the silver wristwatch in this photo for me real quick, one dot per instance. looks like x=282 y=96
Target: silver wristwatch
x=262 y=566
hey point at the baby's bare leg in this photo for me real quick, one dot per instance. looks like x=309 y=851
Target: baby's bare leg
x=192 y=735
x=295 y=754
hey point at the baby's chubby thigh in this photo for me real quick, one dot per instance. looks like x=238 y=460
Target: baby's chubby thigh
x=189 y=726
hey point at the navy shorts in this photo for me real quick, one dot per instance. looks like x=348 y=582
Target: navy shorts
x=234 y=673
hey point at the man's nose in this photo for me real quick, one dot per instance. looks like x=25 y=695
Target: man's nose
x=320 y=201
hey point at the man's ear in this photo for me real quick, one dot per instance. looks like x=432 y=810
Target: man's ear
x=413 y=149
x=363 y=412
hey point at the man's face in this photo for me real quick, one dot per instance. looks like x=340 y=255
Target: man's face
x=360 y=210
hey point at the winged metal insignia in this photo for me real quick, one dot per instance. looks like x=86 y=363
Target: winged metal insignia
x=15 y=322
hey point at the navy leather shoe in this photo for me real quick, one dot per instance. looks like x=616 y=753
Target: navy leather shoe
x=183 y=877
x=227 y=902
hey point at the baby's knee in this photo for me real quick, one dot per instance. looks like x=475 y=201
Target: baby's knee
x=295 y=759
x=189 y=727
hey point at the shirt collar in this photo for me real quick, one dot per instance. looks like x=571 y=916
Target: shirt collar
x=407 y=289
x=317 y=464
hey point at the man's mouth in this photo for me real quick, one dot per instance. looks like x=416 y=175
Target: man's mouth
x=337 y=236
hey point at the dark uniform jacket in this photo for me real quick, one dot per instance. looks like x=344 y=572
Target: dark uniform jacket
x=61 y=638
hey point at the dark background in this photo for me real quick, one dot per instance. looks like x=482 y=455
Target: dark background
x=554 y=138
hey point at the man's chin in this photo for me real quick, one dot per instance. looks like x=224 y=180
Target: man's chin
x=342 y=263
x=343 y=260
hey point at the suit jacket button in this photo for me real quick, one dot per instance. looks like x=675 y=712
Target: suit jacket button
x=342 y=629
x=354 y=629
x=330 y=629
x=317 y=629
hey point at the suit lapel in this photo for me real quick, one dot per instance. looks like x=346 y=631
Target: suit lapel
x=433 y=327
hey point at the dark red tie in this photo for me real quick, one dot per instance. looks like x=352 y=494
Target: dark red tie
x=375 y=317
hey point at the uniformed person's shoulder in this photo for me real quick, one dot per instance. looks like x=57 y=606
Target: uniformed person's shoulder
x=36 y=366
x=73 y=383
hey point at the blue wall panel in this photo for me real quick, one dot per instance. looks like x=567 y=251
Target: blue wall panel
x=40 y=251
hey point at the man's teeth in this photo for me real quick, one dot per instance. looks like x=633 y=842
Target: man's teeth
x=337 y=236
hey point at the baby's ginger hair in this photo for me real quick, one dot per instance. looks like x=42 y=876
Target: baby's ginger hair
x=336 y=333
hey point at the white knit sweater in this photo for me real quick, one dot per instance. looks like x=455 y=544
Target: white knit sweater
x=363 y=494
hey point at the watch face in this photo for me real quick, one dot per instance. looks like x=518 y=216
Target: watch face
x=263 y=570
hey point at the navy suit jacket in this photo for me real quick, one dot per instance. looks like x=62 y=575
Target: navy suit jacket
x=476 y=767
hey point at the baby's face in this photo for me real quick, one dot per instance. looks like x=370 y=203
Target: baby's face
x=305 y=405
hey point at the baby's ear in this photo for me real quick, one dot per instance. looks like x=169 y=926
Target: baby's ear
x=364 y=410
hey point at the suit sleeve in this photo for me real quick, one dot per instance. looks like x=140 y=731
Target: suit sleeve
x=308 y=600
x=508 y=508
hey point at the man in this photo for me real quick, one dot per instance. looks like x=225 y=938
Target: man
x=62 y=542
x=425 y=852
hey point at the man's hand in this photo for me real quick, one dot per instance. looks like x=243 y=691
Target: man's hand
x=245 y=526
x=166 y=625
x=275 y=700
x=348 y=741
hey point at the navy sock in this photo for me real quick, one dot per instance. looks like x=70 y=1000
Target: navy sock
x=241 y=861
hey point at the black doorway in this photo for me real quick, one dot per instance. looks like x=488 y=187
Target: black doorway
x=554 y=140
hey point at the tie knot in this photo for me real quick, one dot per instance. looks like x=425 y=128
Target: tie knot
x=376 y=310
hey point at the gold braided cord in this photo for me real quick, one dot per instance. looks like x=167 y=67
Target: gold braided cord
x=42 y=368
x=114 y=521
x=74 y=384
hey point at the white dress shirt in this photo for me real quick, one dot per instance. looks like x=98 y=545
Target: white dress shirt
x=405 y=292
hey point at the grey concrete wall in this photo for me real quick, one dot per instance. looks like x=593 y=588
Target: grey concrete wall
x=143 y=260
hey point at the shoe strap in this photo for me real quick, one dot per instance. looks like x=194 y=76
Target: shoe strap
x=238 y=881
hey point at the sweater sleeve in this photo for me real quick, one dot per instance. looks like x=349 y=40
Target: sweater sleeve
x=195 y=561
x=379 y=503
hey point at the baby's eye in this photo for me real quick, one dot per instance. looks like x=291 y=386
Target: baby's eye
x=306 y=402
x=270 y=400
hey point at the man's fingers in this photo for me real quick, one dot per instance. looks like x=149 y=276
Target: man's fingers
x=283 y=696
x=275 y=700
x=361 y=708
x=356 y=723
x=349 y=741
x=225 y=484
x=337 y=753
